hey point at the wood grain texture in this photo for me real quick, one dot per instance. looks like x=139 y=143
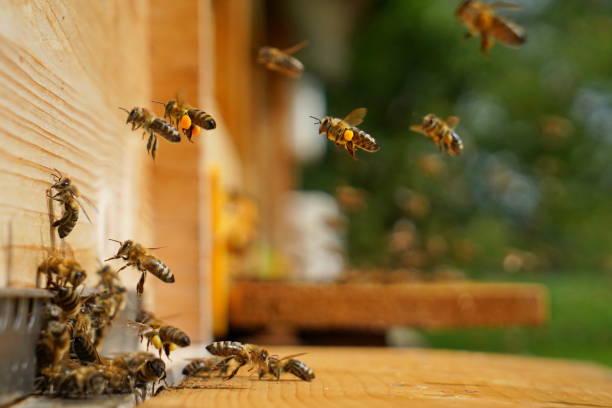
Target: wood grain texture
x=369 y=377
x=377 y=306
x=64 y=69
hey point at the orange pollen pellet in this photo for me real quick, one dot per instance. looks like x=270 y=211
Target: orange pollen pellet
x=348 y=135
x=195 y=131
x=185 y=122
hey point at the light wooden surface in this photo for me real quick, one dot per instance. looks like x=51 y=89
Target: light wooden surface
x=366 y=377
x=64 y=70
x=378 y=306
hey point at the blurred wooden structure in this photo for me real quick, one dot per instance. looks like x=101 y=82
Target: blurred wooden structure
x=66 y=67
x=371 y=377
x=380 y=306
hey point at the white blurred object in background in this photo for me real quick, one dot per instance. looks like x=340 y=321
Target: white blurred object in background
x=316 y=244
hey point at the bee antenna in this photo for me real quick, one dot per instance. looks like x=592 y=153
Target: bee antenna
x=123 y=109
x=317 y=119
x=111 y=239
x=161 y=103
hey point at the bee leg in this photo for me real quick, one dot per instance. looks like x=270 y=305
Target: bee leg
x=233 y=373
x=149 y=142
x=351 y=149
x=486 y=43
x=154 y=148
x=140 y=285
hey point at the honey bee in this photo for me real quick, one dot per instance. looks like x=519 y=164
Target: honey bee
x=344 y=132
x=70 y=380
x=67 y=298
x=241 y=353
x=142 y=118
x=442 y=133
x=275 y=366
x=163 y=337
x=84 y=349
x=136 y=255
x=187 y=118
x=281 y=60
x=151 y=371
x=54 y=343
x=205 y=366
x=65 y=270
x=67 y=194
x=481 y=19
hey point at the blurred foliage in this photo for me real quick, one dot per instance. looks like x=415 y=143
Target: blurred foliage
x=532 y=190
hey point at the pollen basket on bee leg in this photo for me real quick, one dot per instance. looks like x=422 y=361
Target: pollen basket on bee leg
x=348 y=135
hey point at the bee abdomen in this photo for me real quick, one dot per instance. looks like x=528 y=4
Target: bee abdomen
x=300 y=370
x=84 y=349
x=157 y=269
x=364 y=141
x=174 y=335
x=225 y=348
x=202 y=119
x=165 y=130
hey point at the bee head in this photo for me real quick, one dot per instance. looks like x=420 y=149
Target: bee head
x=124 y=249
x=429 y=120
x=324 y=124
x=264 y=54
x=157 y=367
x=169 y=108
x=79 y=277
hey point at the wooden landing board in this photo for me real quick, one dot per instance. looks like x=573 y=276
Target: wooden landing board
x=377 y=306
x=366 y=377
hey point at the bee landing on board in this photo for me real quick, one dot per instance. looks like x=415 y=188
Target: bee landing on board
x=281 y=60
x=442 y=133
x=66 y=193
x=240 y=353
x=136 y=255
x=344 y=132
x=481 y=19
x=275 y=366
x=187 y=118
x=142 y=118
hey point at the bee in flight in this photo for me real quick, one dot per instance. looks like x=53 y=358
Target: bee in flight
x=481 y=19
x=442 y=133
x=344 y=132
x=142 y=118
x=161 y=335
x=137 y=255
x=67 y=194
x=281 y=60
x=187 y=118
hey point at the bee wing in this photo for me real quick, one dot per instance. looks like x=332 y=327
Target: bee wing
x=505 y=5
x=507 y=32
x=83 y=208
x=355 y=117
x=295 y=48
x=452 y=121
x=292 y=355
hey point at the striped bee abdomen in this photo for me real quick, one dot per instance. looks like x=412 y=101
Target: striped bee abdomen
x=202 y=119
x=156 y=268
x=299 y=369
x=174 y=335
x=165 y=130
x=364 y=141
x=225 y=348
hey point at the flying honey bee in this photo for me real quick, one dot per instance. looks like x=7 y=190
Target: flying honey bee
x=281 y=60
x=344 y=132
x=136 y=255
x=187 y=118
x=481 y=19
x=67 y=194
x=442 y=133
x=142 y=118
x=275 y=366
x=163 y=337
x=241 y=353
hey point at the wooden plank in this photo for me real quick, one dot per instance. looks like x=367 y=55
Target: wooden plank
x=178 y=201
x=371 y=377
x=64 y=69
x=378 y=306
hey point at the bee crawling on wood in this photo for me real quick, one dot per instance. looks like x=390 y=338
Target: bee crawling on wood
x=344 y=132
x=61 y=271
x=142 y=118
x=187 y=118
x=67 y=194
x=240 y=353
x=199 y=367
x=281 y=60
x=275 y=366
x=442 y=133
x=136 y=255
x=481 y=19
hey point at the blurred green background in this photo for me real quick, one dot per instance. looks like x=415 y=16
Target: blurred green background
x=529 y=200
